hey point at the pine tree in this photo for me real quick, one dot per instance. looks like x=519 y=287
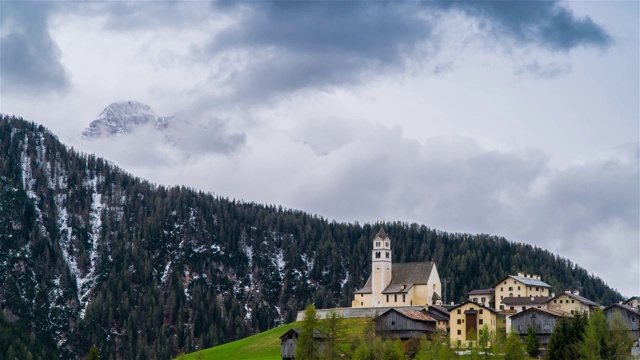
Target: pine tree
x=306 y=348
x=596 y=345
x=531 y=342
x=93 y=353
x=513 y=347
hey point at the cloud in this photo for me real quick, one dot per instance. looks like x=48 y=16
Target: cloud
x=29 y=58
x=283 y=46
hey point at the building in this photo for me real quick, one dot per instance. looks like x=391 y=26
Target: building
x=634 y=302
x=572 y=302
x=542 y=320
x=512 y=305
x=466 y=320
x=289 y=340
x=521 y=285
x=405 y=284
x=630 y=316
x=484 y=297
x=441 y=316
x=404 y=324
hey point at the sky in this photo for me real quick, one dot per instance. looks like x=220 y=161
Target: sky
x=518 y=119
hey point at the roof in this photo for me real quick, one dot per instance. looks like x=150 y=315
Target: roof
x=397 y=288
x=474 y=304
x=628 y=308
x=412 y=314
x=525 y=300
x=436 y=296
x=632 y=298
x=382 y=234
x=582 y=299
x=438 y=309
x=526 y=281
x=437 y=315
x=317 y=334
x=416 y=273
x=555 y=313
x=481 y=292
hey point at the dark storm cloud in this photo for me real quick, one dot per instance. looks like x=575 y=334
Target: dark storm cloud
x=320 y=44
x=545 y=23
x=29 y=58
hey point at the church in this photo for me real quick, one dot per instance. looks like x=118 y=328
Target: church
x=405 y=284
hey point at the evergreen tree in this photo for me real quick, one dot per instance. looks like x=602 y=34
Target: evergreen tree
x=596 y=341
x=513 y=347
x=531 y=342
x=620 y=338
x=335 y=329
x=93 y=354
x=306 y=347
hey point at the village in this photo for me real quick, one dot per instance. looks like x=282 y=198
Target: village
x=404 y=300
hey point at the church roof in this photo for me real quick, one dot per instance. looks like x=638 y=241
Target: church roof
x=408 y=274
x=382 y=234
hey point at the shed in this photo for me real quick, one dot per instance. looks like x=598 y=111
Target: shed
x=543 y=321
x=404 y=324
x=630 y=317
x=289 y=339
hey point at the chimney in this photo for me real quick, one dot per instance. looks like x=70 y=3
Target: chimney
x=532 y=299
x=576 y=292
x=553 y=294
x=567 y=291
x=520 y=274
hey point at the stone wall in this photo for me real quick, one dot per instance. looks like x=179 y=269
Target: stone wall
x=355 y=313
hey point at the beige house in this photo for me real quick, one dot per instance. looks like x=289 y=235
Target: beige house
x=466 y=320
x=482 y=296
x=571 y=303
x=634 y=302
x=521 y=285
x=406 y=284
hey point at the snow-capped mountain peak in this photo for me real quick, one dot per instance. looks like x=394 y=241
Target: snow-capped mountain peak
x=121 y=118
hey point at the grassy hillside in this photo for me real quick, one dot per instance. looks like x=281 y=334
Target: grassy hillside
x=263 y=346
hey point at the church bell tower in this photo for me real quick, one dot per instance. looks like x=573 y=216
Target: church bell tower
x=380 y=267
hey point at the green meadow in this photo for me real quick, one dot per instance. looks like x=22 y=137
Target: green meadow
x=263 y=346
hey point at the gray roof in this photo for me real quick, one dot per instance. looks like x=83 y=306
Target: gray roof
x=481 y=292
x=582 y=299
x=397 y=289
x=416 y=273
x=526 y=281
x=525 y=300
x=554 y=313
x=632 y=298
x=382 y=234
x=628 y=308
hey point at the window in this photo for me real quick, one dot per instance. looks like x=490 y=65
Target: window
x=555 y=301
x=393 y=323
x=537 y=288
x=459 y=333
x=377 y=243
x=547 y=327
x=529 y=288
x=501 y=307
x=403 y=298
x=483 y=300
x=459 y=321
x=395 y=298
x=524 y=308
x=501 y=297
x=386 y=244
x=571 y=311
x=538 y=327
x=518 y=287
x=386 y=254
x=361 y=304
x=501 y=289
x=459 y=311
x=387 y=298
x=361 y=295
x=480 y=311
x=480 y=322
x=510 y=288
x=512 y=308
x=573 y=302
x=377 y=254
x=514 y=281
x=510 y=294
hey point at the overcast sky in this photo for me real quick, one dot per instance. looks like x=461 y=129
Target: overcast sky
x=518 y=119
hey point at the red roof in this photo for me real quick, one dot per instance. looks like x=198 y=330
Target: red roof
x=415 y=315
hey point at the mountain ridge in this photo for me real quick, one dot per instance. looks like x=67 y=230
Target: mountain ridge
x=91 y=255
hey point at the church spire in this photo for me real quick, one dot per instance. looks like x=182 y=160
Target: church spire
x=382 y=234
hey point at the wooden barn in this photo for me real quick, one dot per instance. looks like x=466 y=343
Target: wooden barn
x=404 y=324
x=543 y=321
x=630 y=317
x=289 y=340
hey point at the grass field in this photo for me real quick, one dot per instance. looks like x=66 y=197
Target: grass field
x=263 y=346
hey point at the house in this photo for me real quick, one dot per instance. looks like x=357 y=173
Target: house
x=512 y=305
x=441 y=316
x=521 y=285
x=289 y=340
x=633 y=302
x=400 y=284
x=572 y=302
x=482 y=296
x=630 y=317
x=542 y=320
x=466 y=320
x=404 y=324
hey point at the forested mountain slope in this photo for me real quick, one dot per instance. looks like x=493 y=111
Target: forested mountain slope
x=92 y=255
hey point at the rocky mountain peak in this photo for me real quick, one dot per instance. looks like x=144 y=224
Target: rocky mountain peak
x=121 y=118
